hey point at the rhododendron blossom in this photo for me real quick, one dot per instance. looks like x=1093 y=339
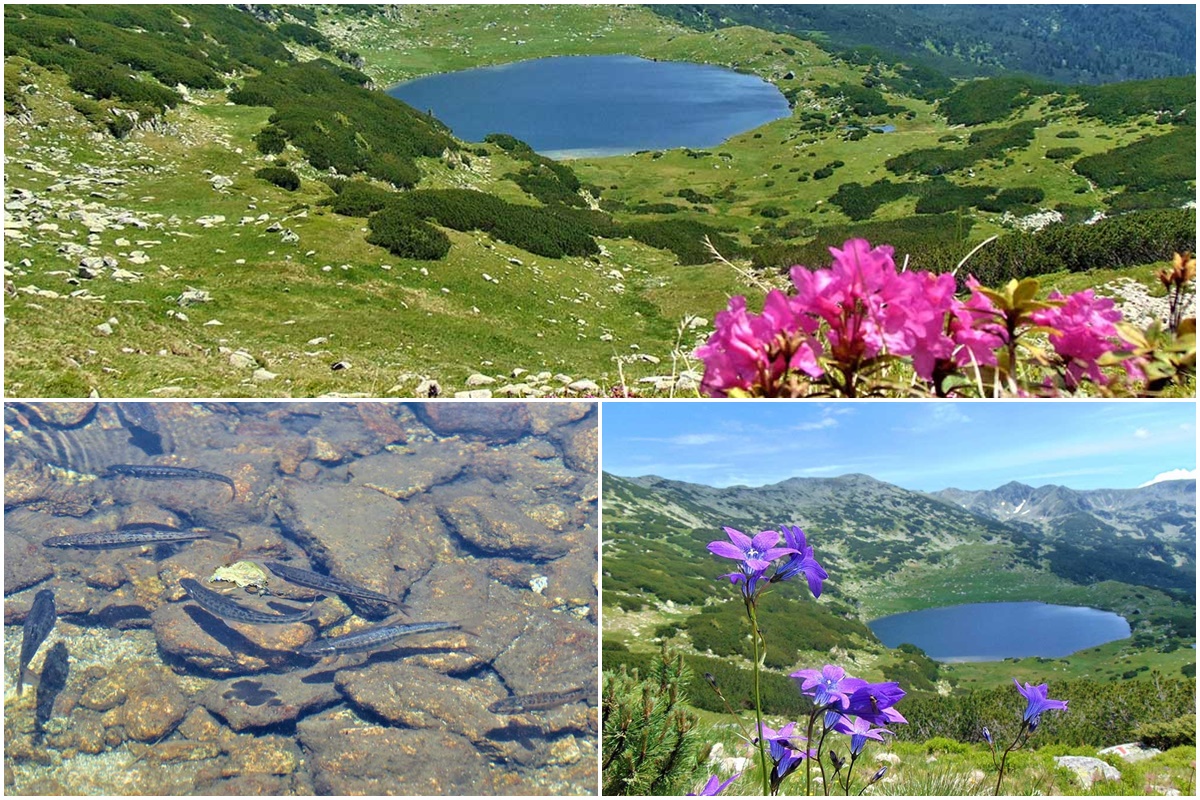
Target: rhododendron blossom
x=976 y=329
x=1084 y=330
x=843 y=328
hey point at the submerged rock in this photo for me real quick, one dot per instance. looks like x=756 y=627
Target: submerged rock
x=247 y=703
x=185 y=631
x=493 y=422
x=350 y=757
x=362 y=536
x=415 y=697
x=497 y=527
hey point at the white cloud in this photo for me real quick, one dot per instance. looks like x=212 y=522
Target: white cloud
x=1141 y=433
x=691 y=439
x=1172 y=475
x=824 y=422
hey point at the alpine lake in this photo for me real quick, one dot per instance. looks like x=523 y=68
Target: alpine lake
x=591 y=106
x=995 y=631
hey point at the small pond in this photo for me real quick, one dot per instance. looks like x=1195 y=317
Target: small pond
x=577 y=106
x=995 y=631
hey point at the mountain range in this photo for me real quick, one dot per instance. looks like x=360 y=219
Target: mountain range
x=888 y=548
x=1166 y=510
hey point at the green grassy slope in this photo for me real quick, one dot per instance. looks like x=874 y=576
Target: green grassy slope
x=887 y=551
x=297 y=308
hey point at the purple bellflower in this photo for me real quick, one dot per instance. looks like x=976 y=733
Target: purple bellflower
x=859 y=731
x=830 y=685
x=802 y=561
x=755 y=554
x=714 y=786
x=1038 y=702
x=873 y=702
x=784 y=756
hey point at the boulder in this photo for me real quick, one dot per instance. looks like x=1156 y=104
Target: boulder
x=1088 y=769
x=1131 y=752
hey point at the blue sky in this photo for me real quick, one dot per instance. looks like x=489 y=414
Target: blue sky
x=923 y=446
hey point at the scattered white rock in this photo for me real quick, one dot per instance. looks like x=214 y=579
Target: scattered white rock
x=584 y=386
x=1088 y=769
x=104 y=329
x=427 y=388
x=261 y=375
x=473 y=394
x=241 y=359
x=190 y=296
x=220 y=182
x=478 y=379
x=1131 y=752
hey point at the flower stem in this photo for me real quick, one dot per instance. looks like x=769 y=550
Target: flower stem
x=820 y=763
x=850 y=771
x=812 y=718
x=1004 y=758
x=762 y=743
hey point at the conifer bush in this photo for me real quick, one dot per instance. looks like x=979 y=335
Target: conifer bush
x=282 y=177
x=407 y=237
x=650 y=745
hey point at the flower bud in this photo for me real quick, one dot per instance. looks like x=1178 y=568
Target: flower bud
x=878 y=775
x=987 y=737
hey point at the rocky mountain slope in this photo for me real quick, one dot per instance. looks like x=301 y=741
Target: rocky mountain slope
x=889 y=548
x=1166 y=509
x=190 y=196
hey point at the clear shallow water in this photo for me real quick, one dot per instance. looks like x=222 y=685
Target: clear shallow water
x=457 y=510
x=995 y=631
x=574 y=106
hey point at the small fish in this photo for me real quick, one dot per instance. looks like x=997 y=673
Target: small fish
x=38 y=625
x=371 y=638
x=132 y=537
x=225 y=608
x=156 y=472
x=538 y=701
x=326 y=583
x=55 y=670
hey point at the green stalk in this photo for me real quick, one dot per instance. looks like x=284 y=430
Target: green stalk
x=812 y=718
x=1004 y=758
x=850 y=771
x=820 y=763
x=762 y=744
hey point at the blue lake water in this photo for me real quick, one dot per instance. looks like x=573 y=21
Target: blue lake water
x=995 y=631
x=574 y=106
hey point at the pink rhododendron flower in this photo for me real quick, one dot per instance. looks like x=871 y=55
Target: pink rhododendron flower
x=744 y=349
x=1084 y=330
x=976 y=329
x=871 y=308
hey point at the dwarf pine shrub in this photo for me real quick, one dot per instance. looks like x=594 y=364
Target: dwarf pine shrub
x=649 y=740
